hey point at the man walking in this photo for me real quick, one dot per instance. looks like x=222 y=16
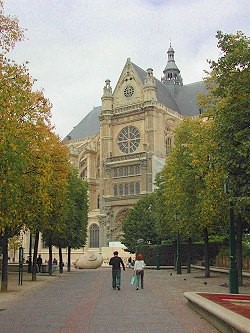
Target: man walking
x=116 y=263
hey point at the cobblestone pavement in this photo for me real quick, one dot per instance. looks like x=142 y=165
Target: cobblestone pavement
x=83 y=301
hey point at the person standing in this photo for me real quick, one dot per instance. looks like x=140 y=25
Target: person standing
x=116 y=263
x=139 y=271
x=129 y=262
x=39 y=262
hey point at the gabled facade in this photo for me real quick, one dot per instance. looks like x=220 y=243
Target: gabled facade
x=120 y=146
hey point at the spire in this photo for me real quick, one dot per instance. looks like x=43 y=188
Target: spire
x=171 y=72
x=107 y=98
x=149 y=88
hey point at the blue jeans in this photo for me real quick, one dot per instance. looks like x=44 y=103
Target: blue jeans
x=116 y=278
x=139 y=276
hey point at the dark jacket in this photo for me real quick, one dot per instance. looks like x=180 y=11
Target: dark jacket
x=116 y=263
x=39 y=261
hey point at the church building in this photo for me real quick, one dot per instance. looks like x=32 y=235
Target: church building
x=121 y=145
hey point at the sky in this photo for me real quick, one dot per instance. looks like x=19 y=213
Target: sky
x=73 y=46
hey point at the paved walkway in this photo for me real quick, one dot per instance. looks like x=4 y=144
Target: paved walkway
x=83 y=301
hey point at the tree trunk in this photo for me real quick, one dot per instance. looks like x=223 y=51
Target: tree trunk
x=206 y=257
x=35 y=255
x=61 y=264
x=174 y=257
x=189 y=256
x=69 y=259
x=50 y=258
x=30 y=254
x=4 y=285
x=239 y=248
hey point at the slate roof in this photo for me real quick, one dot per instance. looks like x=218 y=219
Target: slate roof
x=163 y=94
x=176 y=97
x=88 y=126
x=187 y=98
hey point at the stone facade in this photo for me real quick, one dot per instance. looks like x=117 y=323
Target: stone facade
x=137 y=122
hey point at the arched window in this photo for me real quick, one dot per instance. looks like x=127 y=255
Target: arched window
x=120 y=189
x=137 y=188
x=98 y=201
x=132 y=188
x=120 y=172
x=137 y=169
x=126 y=189
x=115 y=191
x=168 y=144
x=98 y=168
x=84 y=174
x=94 y=235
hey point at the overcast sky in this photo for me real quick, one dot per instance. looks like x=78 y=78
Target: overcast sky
x=73 y=46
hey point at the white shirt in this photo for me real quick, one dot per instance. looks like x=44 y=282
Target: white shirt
x=139 y=265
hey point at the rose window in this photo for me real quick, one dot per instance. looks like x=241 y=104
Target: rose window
x=128 y=139
x=129 y=91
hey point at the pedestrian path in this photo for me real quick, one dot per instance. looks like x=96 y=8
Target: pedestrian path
x=83 y=301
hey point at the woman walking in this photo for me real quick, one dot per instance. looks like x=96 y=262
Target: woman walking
x=139 y=271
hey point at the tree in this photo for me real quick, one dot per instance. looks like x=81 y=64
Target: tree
x=25 y=158
x=10 y=33
x=193 y=186
x=49 y=177
x=9 y=177
x=229 y=85
x=228 y=104
x=141 y=223
x=72 y=231
x=77 y=217
x=14 y=244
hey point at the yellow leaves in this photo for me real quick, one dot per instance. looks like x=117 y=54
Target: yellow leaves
x=10 y=31
x=34 y=163
x=13 y=147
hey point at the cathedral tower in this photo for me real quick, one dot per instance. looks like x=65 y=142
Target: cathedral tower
x=172 y=77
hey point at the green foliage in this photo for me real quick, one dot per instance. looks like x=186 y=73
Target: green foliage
x=167 y=242
x=192 y=184
x=210 y=148
x=228 y=103
x=217 y=238
x=141 y=223
x=73 y=228
x=77 y=218
x=33 y=162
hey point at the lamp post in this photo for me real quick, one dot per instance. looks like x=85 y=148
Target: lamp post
x=178 y=259
x=139 y=242
x=158 y=256
x=233 y=272
x=20 y=266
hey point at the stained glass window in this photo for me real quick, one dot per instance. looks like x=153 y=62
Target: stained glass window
x=129 y=91
x=128 y=139
x=94 y=235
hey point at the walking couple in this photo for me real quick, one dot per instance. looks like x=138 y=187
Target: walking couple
x=116 y=262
